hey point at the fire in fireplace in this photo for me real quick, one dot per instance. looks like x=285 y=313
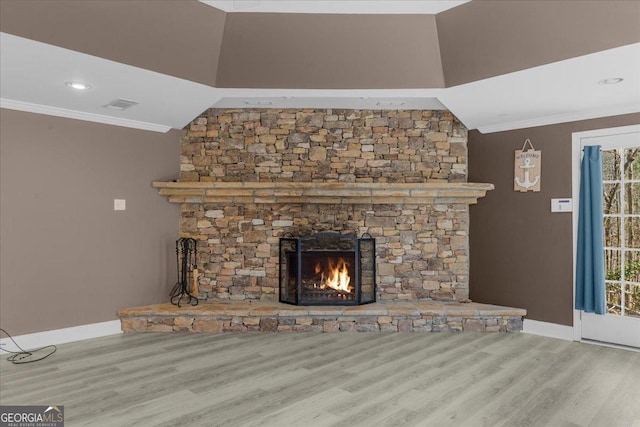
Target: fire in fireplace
x=327 y=269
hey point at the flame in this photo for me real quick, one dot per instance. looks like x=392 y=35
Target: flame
x=337 y=276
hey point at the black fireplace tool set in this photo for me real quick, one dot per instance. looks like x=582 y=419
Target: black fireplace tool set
x=186 y=289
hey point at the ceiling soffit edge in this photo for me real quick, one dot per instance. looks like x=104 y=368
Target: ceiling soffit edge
x=81 y=115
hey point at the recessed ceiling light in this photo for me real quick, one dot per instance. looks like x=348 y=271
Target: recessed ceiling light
x=611 y=81
x=78 y=85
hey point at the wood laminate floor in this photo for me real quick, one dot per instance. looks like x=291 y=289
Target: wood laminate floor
x=340 y=379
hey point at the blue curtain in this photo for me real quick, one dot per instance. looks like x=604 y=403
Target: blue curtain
x=590 y=289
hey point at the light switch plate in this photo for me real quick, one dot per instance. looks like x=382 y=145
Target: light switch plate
x=562 y=205
x=119 y=204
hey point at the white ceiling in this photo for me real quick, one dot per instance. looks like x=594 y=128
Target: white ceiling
x=554 y=93
x=32 y=77
x=411 y=7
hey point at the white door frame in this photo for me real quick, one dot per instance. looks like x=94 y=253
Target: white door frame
x=577 y=138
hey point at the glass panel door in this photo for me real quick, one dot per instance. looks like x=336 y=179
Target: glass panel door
x=621 y=208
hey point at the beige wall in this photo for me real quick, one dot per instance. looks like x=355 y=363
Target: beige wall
x=521 y=253
x=330 y=51
x=486 y=38
x=66 y=257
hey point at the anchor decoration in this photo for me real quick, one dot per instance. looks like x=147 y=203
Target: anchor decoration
x=527 y=168
x=527 y=183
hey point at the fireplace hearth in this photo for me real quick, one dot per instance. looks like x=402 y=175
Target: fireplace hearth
x=327 y=269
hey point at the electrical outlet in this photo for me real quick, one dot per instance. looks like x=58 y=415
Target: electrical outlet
x=3 y=344
x=119 y=205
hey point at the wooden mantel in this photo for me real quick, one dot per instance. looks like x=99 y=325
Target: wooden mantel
x=322 y=192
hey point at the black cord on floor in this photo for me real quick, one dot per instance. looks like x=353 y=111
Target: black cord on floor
x=25 y=356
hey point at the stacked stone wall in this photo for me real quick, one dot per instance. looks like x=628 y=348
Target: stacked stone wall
x=422 y=250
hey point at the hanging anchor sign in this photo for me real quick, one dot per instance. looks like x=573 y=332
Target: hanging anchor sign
x=527 y=168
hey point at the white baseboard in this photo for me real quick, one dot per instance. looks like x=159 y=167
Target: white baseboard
x=545 y=329
x=61 y=336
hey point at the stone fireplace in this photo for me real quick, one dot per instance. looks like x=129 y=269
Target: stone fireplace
x=257 y=185
x=250 y=178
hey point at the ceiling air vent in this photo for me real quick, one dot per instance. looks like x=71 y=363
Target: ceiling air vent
x=120 y=104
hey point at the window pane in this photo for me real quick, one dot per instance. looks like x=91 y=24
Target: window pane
x=632 y=300
x=614 y=298
x=612 y=263
x=610 y=165
x=611 y=198
x=632 y=198
x=632 y=157
x=612 y=232
x=631 y=232
x=632 y=268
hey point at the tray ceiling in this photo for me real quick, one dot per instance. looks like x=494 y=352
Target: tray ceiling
x=33 y=76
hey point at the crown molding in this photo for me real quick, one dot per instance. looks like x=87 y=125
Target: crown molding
x=12 y=104
x=560 y=118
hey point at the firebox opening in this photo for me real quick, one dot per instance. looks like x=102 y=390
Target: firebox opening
x=327 y=269
x=328 y=276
